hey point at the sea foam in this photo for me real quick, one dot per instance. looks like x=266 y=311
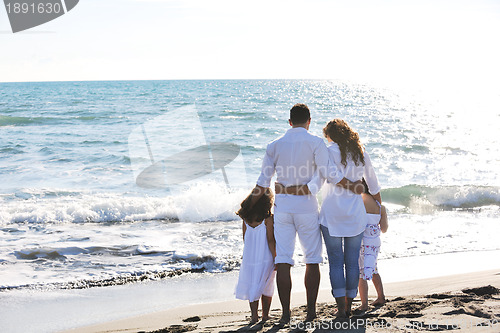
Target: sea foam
x=208 y=201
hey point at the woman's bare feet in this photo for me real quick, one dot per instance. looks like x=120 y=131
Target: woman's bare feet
x=254 y=320
x=285 y=319
x=341 y=307
x=310 y=317
x=379 y=302
x=341 y=314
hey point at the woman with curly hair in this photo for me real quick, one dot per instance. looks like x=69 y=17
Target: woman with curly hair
x=343 y=217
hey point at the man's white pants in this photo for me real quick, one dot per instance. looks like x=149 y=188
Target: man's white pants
x=287 y=226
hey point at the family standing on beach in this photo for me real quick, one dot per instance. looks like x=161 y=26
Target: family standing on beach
x=350 y=219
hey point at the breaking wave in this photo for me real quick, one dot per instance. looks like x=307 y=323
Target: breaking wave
x=445 y=197
x=202 y=202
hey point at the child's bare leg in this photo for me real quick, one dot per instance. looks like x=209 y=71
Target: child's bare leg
x=363 y=294
x=377 y=282
x=266 y=305
x=254 y=306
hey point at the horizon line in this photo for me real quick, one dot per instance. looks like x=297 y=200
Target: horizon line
x=132 y=80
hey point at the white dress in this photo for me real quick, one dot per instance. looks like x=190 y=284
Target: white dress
x=257 y=273
x=370 y=247
x=342 y=211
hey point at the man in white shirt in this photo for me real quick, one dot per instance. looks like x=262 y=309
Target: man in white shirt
x=295 y=157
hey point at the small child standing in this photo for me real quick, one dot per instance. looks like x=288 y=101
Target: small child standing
x=256 y=278
x=370 y=248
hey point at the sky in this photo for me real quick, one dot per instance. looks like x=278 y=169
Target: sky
x=414 y=43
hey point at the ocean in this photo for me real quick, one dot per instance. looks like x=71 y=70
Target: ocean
x=119 y=182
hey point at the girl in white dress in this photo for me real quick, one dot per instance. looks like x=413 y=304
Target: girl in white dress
x=256 y=278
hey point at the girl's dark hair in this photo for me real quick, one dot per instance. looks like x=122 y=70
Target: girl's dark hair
x=348 y=140
x=260 y=211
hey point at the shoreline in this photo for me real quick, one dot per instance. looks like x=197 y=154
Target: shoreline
x=233 y=315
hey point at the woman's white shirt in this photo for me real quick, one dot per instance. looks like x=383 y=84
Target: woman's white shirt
x=342 y=211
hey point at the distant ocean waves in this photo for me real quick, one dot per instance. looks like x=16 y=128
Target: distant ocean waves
x=204 y=202
x=29 y=121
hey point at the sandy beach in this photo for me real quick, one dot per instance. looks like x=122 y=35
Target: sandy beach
x=467 y=302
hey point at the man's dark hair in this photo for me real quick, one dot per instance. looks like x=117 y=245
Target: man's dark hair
x=299 y=114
